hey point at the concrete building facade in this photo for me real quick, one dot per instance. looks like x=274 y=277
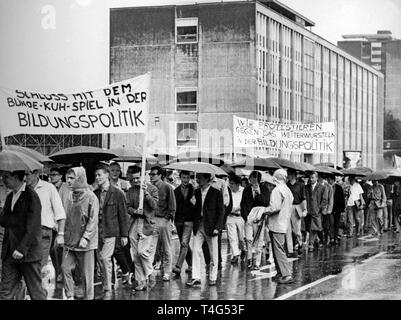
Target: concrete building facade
x=253 y=59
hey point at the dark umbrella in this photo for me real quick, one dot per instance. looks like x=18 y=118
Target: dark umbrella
x=197 y=167
x=200 y=157
x=353 y=172
x=386 y=174
x=328 y=164
x=131 y=155
x=328 y=170
x=82 y=154
x=297 y=166
x=257 y=164
x=16 y=161
x=29 y=152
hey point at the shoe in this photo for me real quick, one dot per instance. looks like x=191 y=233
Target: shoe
x=107 y=295
x=212 y=282
x=126 y=278
x=141 y=286
x=177 y=271
x=255 y=267
x=59 y=278
x=249 y=263
x=157 y=265
x=234 y=260
x=193 y=282
x=286 y=280
x=188 y=270
x=397 y=231
x=293 y=255
x=166 y=277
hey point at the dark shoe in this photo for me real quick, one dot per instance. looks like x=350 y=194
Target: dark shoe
x=293 y=255
x=286 y=280
x=249 y=263
x=177 y=271
x=234 y=260
x=193 y=282
x=126 y=278
x=166 y=277
x=212 y=282
x=188 y=270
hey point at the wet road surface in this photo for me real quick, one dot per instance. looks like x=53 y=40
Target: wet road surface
x=364 y=268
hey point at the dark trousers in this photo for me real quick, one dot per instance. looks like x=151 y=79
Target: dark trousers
x=336 y=224
x=56 y=254
x=184 y=230
x=123 y=257
x=328 y=231
x=280 y=258
x=206 y=253
x=12 y=273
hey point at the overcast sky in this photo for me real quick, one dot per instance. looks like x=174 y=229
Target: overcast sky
x=74 y=55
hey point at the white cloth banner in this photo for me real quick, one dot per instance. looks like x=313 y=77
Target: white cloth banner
x=296 y=137
x=121 y=107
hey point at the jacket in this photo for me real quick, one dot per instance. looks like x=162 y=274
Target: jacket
x=281 y=200
x=23 y=229
x=82 y=212
x=213 y=211
x=339 y=199
x=114 y=213
x=150 y=202
x=185 y=210
x=248 y=202
x=167 y=204
x=317 y=201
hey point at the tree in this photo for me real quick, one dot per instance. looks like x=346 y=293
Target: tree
x=392 y=127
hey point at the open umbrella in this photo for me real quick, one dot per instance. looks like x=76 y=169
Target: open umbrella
x=297 y=166
x=197 y=167
x=17 y=161
x=82 y=154
x=200 y=157
x=257 y=164
x=353 y=172
x=29 y=152
x=328 y=170
x=386 y=174
x=327 y=164
x=164 y=158
x=131 y=155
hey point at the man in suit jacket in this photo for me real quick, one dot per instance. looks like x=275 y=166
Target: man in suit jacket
x=317 y=199
x=208 y=222
x=112 y=223
x=22 y=250
x=338 y=208
x=184 y=220
x=256 y=194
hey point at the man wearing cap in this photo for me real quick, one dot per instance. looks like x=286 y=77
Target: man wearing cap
x=278 y=221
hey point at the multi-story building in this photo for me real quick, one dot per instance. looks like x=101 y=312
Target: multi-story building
x=382 y=52
x=253 y=59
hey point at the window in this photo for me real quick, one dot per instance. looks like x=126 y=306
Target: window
x=186 y=30
x=186 y=100
x=187 y=134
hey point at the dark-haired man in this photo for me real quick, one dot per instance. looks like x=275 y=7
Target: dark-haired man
x=184 y=219
x=143 y=232
x=208 y=222
x=164 y=215
x=112 y=223
x=21 y=250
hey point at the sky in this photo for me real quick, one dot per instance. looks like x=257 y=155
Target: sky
x=63 y=46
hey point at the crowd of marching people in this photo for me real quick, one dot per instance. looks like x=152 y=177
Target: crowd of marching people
x=89 y=230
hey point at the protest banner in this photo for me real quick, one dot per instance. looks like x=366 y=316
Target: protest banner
x=121 y=107
x=295 y=137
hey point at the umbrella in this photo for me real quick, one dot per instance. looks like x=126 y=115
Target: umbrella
x=131 y=155
x=82 y=154
x=257 y=164
x=386 y=174
x=197 y=167
x=164 y=158
x=199 y=156
x=328 y=170
x=297 y=166
x=228 y=169
x=29 y=152
x=328 y=164
x=17 y=161
x=353 y=172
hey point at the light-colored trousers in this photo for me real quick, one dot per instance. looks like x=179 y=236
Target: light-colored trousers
x=212 y=243
x=293 y=228
x=143 y=250
x=254 y=251
x=236 y=234
x=165 y=238
x=106 y=263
